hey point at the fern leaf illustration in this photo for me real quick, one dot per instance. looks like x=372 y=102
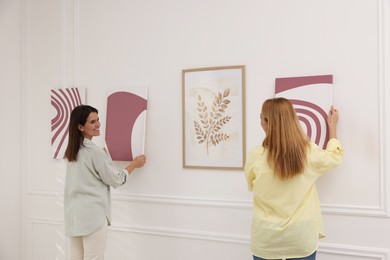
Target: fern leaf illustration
x=207 y=130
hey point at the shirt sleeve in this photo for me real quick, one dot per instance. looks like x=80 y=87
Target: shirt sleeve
x=107 y=171
x=248 y=168
x=324 y=160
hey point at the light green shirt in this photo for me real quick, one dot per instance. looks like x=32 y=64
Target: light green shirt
x=287 y=221
x=87 y=199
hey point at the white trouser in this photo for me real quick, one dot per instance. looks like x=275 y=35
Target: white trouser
x=89 y=247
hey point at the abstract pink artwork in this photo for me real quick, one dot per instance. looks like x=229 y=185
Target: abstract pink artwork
x=63 y=101
x=126 y=122
x=311 y=97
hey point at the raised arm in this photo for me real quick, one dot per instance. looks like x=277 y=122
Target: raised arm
x=137 y=162
x=333 y=118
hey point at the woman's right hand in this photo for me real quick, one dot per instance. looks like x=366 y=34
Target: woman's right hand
x=333 y=119
x=138 y=162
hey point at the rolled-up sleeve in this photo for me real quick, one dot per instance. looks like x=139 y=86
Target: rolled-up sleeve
x=107 y=170
x=324 y=160
x=334 y=146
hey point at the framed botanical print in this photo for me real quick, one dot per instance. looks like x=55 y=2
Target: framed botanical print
x=213 y=117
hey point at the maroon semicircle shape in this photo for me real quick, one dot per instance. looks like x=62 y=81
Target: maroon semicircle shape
x=123 y=109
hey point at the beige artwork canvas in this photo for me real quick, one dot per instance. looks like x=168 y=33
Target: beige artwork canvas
x=214 y=117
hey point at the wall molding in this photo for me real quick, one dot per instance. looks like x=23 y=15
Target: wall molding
x=41 y=221
x=182 y=233
x=354 y=251
x=60 y=238
x=330 y=209
x=384 y=99
x=76 y=33
x=353 y=210
x=184 y=201
x=63 y=43
x=324 y=248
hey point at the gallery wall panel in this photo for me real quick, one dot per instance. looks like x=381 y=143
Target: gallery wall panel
x=59 y=25
x=163 y=245
x=356 y=165
x=376 y=152
x=167 y=206
x=44 y=45
x=135 y=242
x=207 y=215
x=47 y=240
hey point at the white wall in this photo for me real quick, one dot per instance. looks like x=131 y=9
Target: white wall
x=168 y=212
x=10 y=113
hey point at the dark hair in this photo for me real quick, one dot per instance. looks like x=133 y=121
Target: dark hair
x=78 y=117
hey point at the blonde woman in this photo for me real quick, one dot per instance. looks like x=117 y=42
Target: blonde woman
x=282 y=173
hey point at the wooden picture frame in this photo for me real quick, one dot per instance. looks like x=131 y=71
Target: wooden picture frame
x=213 y=117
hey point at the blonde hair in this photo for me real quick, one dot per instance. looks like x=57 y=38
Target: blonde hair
x=285 y=140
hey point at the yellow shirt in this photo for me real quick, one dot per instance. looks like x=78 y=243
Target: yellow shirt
x=287 y=220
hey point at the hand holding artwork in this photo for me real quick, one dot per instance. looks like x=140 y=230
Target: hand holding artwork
x=138 y=162
x=333 y=118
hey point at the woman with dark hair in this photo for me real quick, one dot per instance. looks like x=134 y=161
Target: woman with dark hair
x=89 y=175
x=282 y=172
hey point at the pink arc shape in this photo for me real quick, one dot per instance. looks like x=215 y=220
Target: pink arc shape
x=123 y=109
x=63 y=102
x=314 y=117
